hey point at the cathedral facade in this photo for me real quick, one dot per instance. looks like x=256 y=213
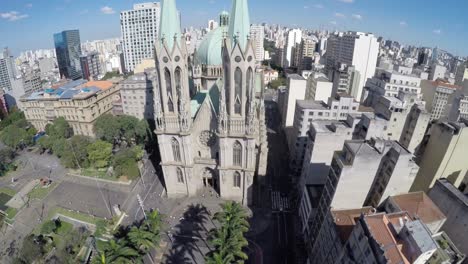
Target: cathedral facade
x=209 y=109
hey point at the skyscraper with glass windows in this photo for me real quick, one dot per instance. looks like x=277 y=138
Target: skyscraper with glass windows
x=68 y=50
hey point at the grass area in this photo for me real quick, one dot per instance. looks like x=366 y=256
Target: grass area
x=11 y=212
x=75 y=215
x=4 y=198
x=7 y=191
x=40 y=192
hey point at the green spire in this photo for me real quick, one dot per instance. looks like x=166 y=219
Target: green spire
x=239 y=22
x=170 y=23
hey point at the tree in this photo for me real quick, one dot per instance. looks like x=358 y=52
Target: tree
x=14 y=118
x=153 y=223
x=116 y=251
x=125 y=162
x=45 y=142
x=277 y=83
x=49 y=227
x=121 y=129
x=100 y=153
x=15 y=137
x=60 y=128
x=32 y=249
x=107 y=128
x=229 y=240
x=141 y=239
x=79 y=147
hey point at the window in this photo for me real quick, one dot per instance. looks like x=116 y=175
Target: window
x=237 y=180
x=238 y=91
x=249 y=81
x=176 y=150
x=180 y=176
x=170 y=103
x=178 y=82
x=237 y=154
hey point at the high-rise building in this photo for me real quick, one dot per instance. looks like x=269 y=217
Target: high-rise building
x=7 y=70
x=461 y=74
x=294 y=37
x=257 y=34
x=215 y=139
x=437 y=72
x=91 y=66
x=296 y=90
x=355 y=49
x=140 y=27
x=306 y=54
x=441 y=155
x=438 y=96
x=68 y=50
x=346 y=79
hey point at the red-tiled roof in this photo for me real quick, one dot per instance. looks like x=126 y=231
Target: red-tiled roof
x=345 y=220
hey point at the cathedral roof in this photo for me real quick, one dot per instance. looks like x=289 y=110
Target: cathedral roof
x=200 y=97
x=209 y=52
x=170 y=22
x=239 y=22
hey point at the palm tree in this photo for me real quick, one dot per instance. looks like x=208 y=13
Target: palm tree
x=118 y=252
x=228 y=240
x=141 y=239
x=153 y=224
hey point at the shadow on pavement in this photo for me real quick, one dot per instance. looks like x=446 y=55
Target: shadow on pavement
x=189 y=236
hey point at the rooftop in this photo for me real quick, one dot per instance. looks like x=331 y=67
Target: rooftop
x=345 y=220
x=309 y=104
x=419 y=206
x=448 y=186
x=296 y=77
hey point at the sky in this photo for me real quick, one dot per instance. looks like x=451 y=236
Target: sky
x=30 y=24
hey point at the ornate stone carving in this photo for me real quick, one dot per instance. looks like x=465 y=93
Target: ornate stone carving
x=207 y=138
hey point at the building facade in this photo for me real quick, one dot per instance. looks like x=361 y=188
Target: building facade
x=68 y=51
x=215 y=139
x=90 y=66
x=257 y=34
x=139 y=27
x=79 y=102
x=136 y=94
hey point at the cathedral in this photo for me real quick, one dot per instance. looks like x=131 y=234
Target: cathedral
x=209 y=108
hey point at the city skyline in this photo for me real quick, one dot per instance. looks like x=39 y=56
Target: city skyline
x=409 y=25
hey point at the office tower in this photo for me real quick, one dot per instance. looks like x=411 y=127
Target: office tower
x=140 y=27
x=7 y=70
x=68 y=50
x=295 y=90
x=257 y=35
x=346 y=79
x=294 y=37
x=137 y=95
x=306 y=54
x=442 y=155
x=31 y=82
x=438 y=96
x=355 y=49
x=91 y=66
x=215 y=139
x=79 y=102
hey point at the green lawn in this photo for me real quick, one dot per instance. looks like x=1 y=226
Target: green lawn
x=4 y=198
x=40 y=192
x=11 y=212
x=8 y=191
x=100 y=174
x=75 y=215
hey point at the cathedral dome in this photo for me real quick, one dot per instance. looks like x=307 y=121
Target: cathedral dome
x=209 y=52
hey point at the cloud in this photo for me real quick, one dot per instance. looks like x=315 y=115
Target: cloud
x=403 y=23
x=319 y=6
x=340 y=15
x=333 y=22
x=13 y=16
x=30 y=5
x=357 y=16
x=437 y=31
x=107 y=10
x=347 y=1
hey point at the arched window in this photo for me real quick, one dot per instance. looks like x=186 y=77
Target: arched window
x=249 y=81
x=167 y=77
x=237 y=179
x=180 y=176
x=178 y=82
x=176 y=150
x=237 y=154
x=227 y=83
x=237 y=91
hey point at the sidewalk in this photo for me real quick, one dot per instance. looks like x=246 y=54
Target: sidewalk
x=20 y=199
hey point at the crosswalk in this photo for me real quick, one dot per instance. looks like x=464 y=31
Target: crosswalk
x=279 y=202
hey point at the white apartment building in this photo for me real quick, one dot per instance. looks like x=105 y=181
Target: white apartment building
x=390 y=83
x=257 y=35
x=319 y=88
x=324 y=138
x=294 y=37
x=443 y=155
x=437 y=95
x=295 y=90
x=356 y=49
x=139 y=27
x=346 y=79
x=305 y=54
x=367 y=172
x=337 y=109
x=437 y=72
x=462 y=74
x=137 y=95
